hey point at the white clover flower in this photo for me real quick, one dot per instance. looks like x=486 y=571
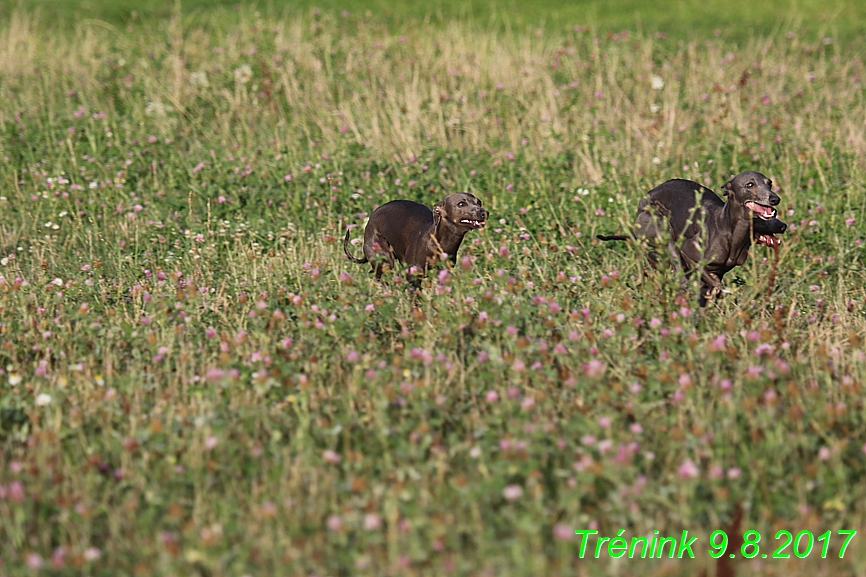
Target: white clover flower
x=654 y=107
x=657 y=82
x=243 y=73
x=656 y=160
x=15 y=379
x=155 y=108
x=57 y=282
x=199 y=78
x=43 y=399
x=582 y=191
x=93 y=185
x=512 y=492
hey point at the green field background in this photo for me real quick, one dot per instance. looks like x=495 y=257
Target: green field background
x=682 y=20
x=195 y=380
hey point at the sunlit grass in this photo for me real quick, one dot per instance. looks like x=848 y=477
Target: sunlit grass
x=195 y=379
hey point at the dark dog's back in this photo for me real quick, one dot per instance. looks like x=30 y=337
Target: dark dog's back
x=684 y=221
x=675 y=200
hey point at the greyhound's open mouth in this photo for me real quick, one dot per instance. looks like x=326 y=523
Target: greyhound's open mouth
x=768 y=239
x=472 y=223
x=765 y=212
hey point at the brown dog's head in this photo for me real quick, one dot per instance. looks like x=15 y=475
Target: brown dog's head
x=754 y=191
x=461 y=210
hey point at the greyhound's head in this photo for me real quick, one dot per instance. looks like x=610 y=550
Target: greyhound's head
x=460 y=210
x=754 y=191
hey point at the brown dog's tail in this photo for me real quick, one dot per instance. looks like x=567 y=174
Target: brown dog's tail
x=346 y=250
x=613 y=237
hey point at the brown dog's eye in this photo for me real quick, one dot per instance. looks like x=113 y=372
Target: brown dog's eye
x=750 y=185
x=461 y=203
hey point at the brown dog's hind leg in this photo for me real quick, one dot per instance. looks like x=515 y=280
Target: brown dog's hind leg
x=378 y=251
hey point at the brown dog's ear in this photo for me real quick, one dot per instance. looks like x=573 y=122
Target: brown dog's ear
x=438 y=211
x=729 y=187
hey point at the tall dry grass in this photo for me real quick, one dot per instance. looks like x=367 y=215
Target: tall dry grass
x=460 y=86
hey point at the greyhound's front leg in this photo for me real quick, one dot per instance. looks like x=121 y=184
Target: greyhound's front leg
x=677 y=259
x=711 y=284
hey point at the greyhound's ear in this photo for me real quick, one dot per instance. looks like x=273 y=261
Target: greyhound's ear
x=438 y=211
x=729 y=187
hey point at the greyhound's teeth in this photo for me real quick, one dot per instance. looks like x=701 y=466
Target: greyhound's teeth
x=765 y=212
x=769 y=240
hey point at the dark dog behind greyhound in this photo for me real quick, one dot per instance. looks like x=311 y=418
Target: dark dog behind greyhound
x=414 y=234
x=715 y=232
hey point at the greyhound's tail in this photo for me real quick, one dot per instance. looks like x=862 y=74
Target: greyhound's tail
x=346 y=250
x=613 y=237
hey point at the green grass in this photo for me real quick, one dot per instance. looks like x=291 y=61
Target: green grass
x=196 y=381
x=736 y=20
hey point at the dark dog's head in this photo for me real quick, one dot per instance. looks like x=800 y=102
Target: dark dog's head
x=754 y=191
x=462 y=210
x=764 y=231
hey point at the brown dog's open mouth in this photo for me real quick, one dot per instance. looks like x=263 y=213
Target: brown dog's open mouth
x=472 y=223
x=768 y=239
x=765 y=212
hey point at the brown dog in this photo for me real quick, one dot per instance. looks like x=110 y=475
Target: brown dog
x=414 y=234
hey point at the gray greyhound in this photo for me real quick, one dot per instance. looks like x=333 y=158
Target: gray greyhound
x=712 y=231
x=412 y=233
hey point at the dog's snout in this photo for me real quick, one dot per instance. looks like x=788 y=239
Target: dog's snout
x=774 y=199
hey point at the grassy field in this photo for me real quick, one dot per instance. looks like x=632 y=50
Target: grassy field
x=734 y=20
x=195 y=381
